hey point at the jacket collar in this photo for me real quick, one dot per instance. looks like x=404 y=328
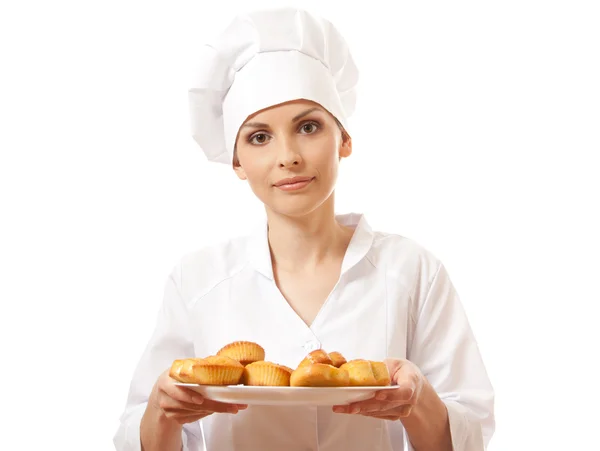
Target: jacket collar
x=259 y=254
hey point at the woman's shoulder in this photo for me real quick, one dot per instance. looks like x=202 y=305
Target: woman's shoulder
x=199 y=270
x=401 y=254
x=387 y=249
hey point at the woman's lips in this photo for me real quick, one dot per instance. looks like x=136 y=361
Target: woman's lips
x=294 y=185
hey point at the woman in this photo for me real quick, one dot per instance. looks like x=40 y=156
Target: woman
x=272 y=99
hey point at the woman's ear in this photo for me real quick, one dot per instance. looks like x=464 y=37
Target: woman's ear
x=346 y=145
x=237 y=167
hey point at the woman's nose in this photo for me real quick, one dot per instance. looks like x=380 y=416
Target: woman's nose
x=288 y=155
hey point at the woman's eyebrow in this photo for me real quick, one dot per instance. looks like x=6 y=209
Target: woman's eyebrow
x=295 y=119
x=301 y=115
x=255 y=125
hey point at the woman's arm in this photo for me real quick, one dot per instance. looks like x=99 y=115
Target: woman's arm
x=427 y=425
x=444 y=349
x=443 y=396
x=158 y=433
x=170 y=340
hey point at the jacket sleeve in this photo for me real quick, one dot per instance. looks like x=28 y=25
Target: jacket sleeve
x=170 y=340
x=444 y=348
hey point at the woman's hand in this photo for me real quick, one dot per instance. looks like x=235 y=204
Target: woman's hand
x=392 y=404
x=184 y=405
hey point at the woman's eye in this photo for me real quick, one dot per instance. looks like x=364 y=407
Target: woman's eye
x=309 y=128
x=260 y=138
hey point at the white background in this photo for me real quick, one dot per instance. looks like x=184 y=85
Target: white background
x=477 y=135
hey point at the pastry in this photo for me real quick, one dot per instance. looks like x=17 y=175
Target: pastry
x=381 y=373
x=244 y=352
x=266 y=374
x=181 y=370
x=213 y=370
x=318 y=356
x=367 y=373
x=244 y=362
x=317 y=370
x=337 y=359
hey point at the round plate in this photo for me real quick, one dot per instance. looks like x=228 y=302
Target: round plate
x=285 y=396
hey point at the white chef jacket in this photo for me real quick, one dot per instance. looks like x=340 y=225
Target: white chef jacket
x=394 y=299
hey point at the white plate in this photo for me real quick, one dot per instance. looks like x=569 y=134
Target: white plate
x=285 y=396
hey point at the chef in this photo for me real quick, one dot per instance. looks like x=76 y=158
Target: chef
x=272 y=98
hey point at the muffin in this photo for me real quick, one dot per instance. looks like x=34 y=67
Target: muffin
x=182 y=371
x=263 y=373
x=244 y=352
x=213 y=370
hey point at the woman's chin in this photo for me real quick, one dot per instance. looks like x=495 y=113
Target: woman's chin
x=295 y=207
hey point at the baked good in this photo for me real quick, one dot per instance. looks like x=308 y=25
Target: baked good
x=367 y=373
x=212 y=370
x=244 y=362
x=244 y=352
x=337 y=359
x=266 y=374
x=319 y=375
x=317 y=370
x=381 y=373
x=181 y=370
x=318 y=356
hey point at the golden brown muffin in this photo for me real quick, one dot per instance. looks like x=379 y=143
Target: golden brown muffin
x=263 y=373
x=213 y=370
x=337 y=359
x=181 y=370
x=176 y=369
x=244 y=352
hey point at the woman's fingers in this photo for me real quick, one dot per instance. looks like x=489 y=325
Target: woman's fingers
x=219 y=407
x=381 y=416
x=382 y=401
x=395 y=413
x=207 y=406
x=403 y=394
x=182 y=418
x=367 y=407
x=199 y=404
x=184 y=405
x=165 y=402
x=183 y=415
x=179 y=393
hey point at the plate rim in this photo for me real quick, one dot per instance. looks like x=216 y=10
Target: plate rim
x=287 y=387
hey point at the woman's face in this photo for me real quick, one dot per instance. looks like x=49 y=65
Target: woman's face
x=290 y=155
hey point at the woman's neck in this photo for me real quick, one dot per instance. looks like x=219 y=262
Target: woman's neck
x=307 y=242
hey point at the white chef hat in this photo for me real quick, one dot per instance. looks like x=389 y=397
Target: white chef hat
x=262 y=59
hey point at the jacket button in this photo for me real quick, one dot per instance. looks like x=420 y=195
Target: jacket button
x=312 y=345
